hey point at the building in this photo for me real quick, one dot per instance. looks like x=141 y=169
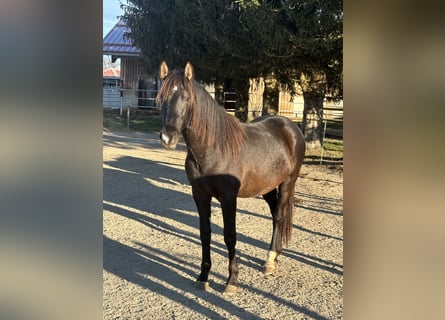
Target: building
x=111 y=88
x=137 y=88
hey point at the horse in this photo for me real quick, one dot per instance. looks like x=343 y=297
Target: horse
x=227 y=159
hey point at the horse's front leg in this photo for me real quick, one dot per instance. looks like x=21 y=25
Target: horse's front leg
x=203 y=205
x=228 y=205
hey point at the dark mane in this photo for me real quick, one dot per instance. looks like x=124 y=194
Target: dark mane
x=209 y=122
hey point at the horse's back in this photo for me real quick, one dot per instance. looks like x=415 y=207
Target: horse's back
x=275 y=123
x=279 y=131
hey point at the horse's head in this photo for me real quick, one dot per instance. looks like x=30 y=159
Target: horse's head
x=176 y=97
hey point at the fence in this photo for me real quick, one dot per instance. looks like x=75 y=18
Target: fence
x=145 y=99
x=116 y=98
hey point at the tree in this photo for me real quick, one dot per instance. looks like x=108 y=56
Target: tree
x=288 y=42
x=315 y=58
x=203 y=32
x=294 y=42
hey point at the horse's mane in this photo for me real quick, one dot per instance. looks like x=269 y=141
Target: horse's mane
x=209 y=121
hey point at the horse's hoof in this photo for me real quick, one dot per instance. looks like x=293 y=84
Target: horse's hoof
x=269 y=269
x=230 y=289
x=202 y=285
x=271 y=263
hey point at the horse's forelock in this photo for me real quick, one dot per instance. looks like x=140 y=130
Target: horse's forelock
x=175 y=78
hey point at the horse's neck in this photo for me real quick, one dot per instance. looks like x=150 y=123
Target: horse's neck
x=199 y=151
x=194 y=146
x=213 y=128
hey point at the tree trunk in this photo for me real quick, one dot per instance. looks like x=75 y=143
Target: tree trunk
x=313 y=83
x=242 y=100
x=312 y=125
x=271 y=96
x=219 y=92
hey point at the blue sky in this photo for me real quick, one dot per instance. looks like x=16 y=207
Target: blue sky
x=111 y=10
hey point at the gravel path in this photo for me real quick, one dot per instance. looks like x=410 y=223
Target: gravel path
x=151 y=246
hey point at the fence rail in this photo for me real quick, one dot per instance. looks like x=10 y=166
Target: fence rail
x=116 y=98
x=129 y=98
x=146 y=99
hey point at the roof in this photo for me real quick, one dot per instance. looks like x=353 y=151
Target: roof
x=111 y=73
x=116 y=44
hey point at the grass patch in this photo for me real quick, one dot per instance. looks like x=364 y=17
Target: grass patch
x=141 y=120
x=112 y=120
x=334 y=147
x=332 y=153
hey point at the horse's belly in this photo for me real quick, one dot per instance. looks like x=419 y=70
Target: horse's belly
x=265 y=176
x=254 y=185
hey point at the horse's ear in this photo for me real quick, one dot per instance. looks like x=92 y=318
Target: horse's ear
x=163 y=70
x=188 y=71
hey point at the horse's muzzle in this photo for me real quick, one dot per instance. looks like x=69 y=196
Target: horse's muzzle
x=169 y=140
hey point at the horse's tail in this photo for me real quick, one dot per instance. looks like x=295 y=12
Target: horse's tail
x=287 y=225
x=288 y=212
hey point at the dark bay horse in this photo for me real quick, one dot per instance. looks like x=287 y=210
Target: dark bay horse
x=227 y=159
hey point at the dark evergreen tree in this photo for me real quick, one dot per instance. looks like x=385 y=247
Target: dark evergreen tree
x=288 y=42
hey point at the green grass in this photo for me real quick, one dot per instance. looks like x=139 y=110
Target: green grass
x=332 y=153
x=112 y=120
x=334 y=146
x=141 y=120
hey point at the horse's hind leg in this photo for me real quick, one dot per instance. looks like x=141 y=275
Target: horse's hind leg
x=271 y=261
x=282 y=221
x=271 y=199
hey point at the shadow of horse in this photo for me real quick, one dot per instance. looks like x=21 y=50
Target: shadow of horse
x=156 y=270
x=140 y=266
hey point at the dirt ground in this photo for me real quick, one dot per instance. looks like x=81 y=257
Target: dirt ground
x=152 y=252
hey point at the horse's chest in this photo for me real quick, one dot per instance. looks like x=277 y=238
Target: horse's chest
x=216 y=180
